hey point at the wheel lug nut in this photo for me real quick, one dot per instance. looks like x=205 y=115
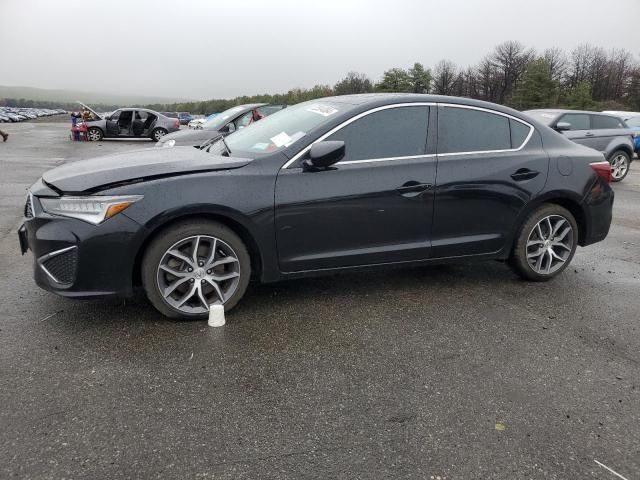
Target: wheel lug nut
x=201 y=263
x=201 y=281
x=191 y=280
x=208 y=272
x=190 y=269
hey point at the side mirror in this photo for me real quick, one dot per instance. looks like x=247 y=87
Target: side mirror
x=563 y=126
x=325 y=154
x=229 y=128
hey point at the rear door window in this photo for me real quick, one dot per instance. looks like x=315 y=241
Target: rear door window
x=388 y=133
x=578 y=121
x=463 y=130
x=602 y=122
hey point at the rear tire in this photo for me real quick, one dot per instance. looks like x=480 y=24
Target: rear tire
x=620 y=162
x=94 y=134
x=545 y=244
x=220 y=277
x=158 y=133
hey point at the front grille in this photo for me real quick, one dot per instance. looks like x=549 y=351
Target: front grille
x=28 y=208
x=62 y=266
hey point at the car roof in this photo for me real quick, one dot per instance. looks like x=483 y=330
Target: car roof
x=561 y=110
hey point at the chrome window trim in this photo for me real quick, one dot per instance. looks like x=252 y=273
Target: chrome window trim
x=495 y=112
x=353 y=119
x=49 y=255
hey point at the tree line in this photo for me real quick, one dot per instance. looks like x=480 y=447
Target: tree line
x=588 y=77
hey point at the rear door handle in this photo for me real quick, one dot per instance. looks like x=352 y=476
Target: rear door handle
x=412 y=188
x=524 y=174
x=589 y=134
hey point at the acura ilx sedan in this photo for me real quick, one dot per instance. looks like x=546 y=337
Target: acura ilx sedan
x=331 y=185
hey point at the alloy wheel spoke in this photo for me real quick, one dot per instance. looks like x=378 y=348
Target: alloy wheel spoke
x=212 y=254
x=216 y=287
x=564 y=233
x=555 y=255
x=227 y=276
x=173 y=271
x=203 y=300
x=180 y=256
x=539 y=230
x=170 y=289
x=536 y=254
x=559 y=224
x=187 y=295
x=196 y=245
x=224 y=261
x=548 y=267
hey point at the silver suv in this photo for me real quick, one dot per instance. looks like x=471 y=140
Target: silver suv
x=608 y=134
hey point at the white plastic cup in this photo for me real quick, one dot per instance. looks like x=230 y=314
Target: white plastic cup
x=216 y=316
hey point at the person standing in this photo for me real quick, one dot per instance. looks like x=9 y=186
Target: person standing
x=4 y=136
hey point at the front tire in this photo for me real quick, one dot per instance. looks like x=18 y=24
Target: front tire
x=158 y=133
x=545 y=244
x=94 y=134
x=192 y=265
x=620 y=162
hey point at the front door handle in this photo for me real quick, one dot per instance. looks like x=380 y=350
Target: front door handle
x=412 y=188
x=524 y=174
x=589 y=134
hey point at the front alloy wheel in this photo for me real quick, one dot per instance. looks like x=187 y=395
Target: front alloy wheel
x=194 y=264
x=197 y=272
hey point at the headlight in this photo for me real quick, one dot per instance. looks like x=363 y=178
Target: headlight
x=169 y=143
x=93 y=209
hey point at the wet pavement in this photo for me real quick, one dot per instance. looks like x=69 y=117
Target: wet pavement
x=455 y=371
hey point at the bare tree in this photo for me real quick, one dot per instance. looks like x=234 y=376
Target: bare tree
x=510 y=59
x=444 y=76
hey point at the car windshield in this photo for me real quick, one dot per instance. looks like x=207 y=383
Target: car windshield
x=281 y=129
x=543 y=117
x=222 y=119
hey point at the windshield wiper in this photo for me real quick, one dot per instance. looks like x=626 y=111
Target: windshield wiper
x=226 y=146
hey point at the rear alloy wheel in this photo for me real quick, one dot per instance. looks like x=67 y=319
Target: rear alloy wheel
x=619 y=161
x=194 y=265
x=158 y=133
x=94 y=134
x=546 y=243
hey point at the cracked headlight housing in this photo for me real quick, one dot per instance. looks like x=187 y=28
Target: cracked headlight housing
x=92 y=209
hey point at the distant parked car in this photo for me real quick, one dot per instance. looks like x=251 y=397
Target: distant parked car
x=197 y=123
x=130 y=123
x=222 y=124
x=606 y=133
x=184 y=117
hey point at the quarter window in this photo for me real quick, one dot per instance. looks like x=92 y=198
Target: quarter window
x=578 y=121
x=467 y=130
x=392 y=132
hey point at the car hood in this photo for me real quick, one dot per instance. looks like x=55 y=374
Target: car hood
x=190 y=137
x=135 y=166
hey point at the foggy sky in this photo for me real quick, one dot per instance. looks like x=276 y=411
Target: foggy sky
x=204 y=49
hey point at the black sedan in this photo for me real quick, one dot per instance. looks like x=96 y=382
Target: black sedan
x=235 y=118
x=329 y=185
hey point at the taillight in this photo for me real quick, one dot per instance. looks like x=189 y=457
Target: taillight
x=603 y=169
x=177 y=124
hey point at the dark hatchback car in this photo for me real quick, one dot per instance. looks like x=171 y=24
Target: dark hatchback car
x=608 y=134
x=235 y=118
x=330 y=185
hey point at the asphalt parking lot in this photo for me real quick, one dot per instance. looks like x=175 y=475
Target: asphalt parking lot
x=445 y=372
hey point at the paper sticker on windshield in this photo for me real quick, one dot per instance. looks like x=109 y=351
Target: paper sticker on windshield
x=282 y=139
x=320 y=109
